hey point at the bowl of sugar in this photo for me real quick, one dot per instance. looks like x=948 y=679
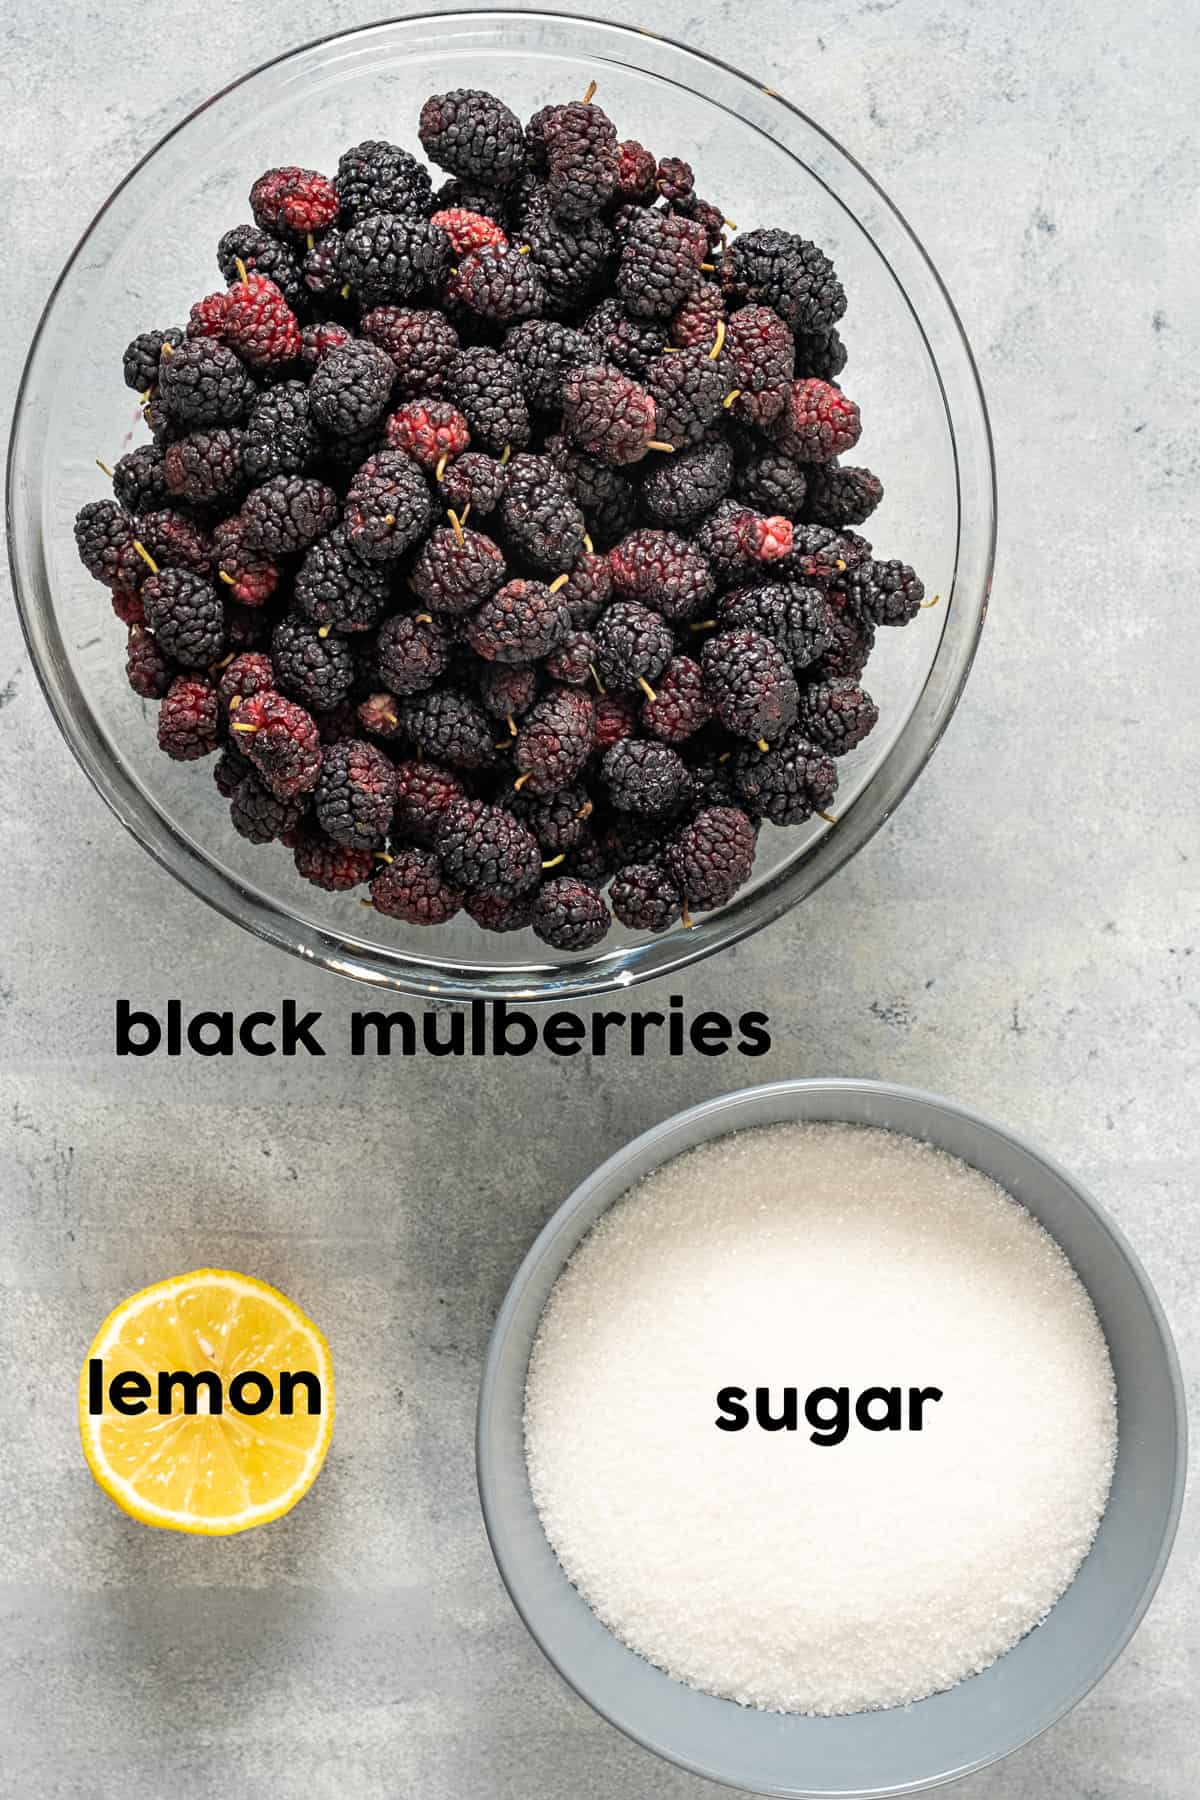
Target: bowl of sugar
x=831 y=1441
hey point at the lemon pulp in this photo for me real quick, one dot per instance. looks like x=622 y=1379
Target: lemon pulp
x=208 y=1472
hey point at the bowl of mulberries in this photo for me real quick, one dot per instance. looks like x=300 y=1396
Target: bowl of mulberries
x=501 y=523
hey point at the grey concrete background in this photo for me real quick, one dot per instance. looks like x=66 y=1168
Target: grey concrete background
x=1023 y=935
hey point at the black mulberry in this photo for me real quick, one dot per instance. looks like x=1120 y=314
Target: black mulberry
x=749 y=684
x=681 y=489
x=541 y=521
x=646 y=778
x=473 y=480
x=143 y=357
x=633 y=645
x=205 y=383
x=316 y=670
x=473 y=135
x=378 y=177
x=205 y=468
x=337 y=589
x=355 y=795
x=688 y=389
x=713 y=856
x=644 y=897
x=660 y=264
x=798 y=619
x=449 y=726
x=582 y=160
x=663 y=571
x=555 y=741
x=569 y=914
x=422 y=344
x=486 y=388
x=607 y=414
x=520 y=623
x=841 y=495
x=280 y=437
x=680 y=705
x=412 y=887
x=187 y=616
x=394 y=257
x=388 y=508
x=455 y=571
x=787 y=783
x=837 y=714
x=545 y=352
x=139 y=479
x=787 y=273
x=890 y=593
x=288 y=513
x=350 y=389
x=498 y=285
x=104 y=538
x=411 y=652
x=486 y=849
x=188 y=720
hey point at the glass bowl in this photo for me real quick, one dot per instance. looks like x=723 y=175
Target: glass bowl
x=151 y=248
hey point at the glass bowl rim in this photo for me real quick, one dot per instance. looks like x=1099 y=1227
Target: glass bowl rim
x=528 y=982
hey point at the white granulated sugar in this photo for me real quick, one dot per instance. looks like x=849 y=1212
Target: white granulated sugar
x=761 y=1566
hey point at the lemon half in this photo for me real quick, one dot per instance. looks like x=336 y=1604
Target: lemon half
x=206 y=1472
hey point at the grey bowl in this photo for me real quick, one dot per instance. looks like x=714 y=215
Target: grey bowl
x=878 y=1754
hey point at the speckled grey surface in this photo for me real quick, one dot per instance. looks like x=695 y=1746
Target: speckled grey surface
x=1023 y=935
